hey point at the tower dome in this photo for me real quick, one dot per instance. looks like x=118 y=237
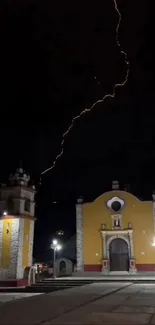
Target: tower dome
x=19 y=178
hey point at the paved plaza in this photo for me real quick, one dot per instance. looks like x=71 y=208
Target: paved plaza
x=97 y=303
x=5 y=297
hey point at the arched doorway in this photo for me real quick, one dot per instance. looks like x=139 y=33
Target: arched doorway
x=62 y=267
x=119 y=255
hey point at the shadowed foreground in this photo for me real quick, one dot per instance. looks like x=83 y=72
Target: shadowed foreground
x=111 y=303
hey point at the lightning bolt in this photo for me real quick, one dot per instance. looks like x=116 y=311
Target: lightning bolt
x=107 y=96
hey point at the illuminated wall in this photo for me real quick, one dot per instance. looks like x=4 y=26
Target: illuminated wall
x=26 y=242
x=16 y=245
x=136 y=212
x=6 y=244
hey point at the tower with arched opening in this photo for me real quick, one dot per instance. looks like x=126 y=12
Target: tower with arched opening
x=17 y=210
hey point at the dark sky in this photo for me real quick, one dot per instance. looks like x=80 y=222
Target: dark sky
x=57 y=58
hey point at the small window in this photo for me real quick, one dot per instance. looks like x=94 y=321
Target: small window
x=116 y=206
x=27 y=205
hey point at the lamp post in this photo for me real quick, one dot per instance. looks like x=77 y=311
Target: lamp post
x=56 y=247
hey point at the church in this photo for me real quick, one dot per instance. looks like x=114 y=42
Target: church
x=115 y=233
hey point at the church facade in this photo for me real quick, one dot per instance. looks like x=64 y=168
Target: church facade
x=115 y=233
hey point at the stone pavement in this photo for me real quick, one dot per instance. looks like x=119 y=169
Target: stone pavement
x=134 y=304
x=5 y=297
x=97 y=303
x=112 y=276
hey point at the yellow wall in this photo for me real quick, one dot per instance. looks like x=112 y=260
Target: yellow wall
x=138 y=213
x=26 y=242
x=6 y=244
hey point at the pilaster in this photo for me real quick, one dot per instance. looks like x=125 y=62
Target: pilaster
x=1 y=236
x=31 y=236
x=20 y=270
x=32 y=208
x=79 y=236
x=153 y=208
x=130 y=234
x=104 y=246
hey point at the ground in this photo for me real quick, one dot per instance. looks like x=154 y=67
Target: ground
x=98 y=303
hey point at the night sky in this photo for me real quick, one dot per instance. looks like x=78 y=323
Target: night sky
x=58 y=58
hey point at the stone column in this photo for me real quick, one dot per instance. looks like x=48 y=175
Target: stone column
x=153 y=208
x=104 y=247
x=131 y=244
x=105 y=262
x=132 y=260
x=79 y=236
x=20 y=269
x=31 y=238
x=1 y=241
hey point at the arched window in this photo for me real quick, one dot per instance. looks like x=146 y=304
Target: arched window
x=27 y=205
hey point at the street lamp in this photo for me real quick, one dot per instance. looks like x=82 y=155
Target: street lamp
x=5 y=213
x=56 y=247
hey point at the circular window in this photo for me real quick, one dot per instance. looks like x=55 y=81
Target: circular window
x=116 y=206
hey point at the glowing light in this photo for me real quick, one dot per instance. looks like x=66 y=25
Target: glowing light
x=60 y=232
x=58 y=247
x=5 y=213
x=55 y=245
x=107 y=96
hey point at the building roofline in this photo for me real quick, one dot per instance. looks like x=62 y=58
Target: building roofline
x=114 y=191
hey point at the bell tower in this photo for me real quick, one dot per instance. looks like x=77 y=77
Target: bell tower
x=17 y=209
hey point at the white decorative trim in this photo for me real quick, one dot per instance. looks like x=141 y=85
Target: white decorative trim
x=20 y=269
x=153 y=208
x=79 y=237
x=118 y=199
x=117 y=232
x=31 y=236
x=131 y=245
x=14 y=246
x=104 y=247
x=1 y=237
x=115 y=237
x=127 y=236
